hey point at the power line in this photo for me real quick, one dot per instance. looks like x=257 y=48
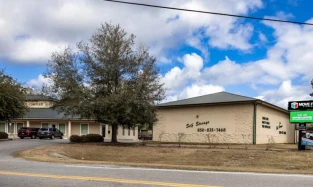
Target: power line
x=206 y=12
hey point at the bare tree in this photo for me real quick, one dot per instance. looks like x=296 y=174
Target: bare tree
x=270 y=143
x=246 y=140
x=160 y=137
x=180 y=137
x=211 y=140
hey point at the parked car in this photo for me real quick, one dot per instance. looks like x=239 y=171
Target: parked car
x=145 y=137
x=27 y=132
x=49 y=133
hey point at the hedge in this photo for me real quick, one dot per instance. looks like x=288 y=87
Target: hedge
x=75 y=138
x=3 y=135
x=94 y=138
x=87 y=138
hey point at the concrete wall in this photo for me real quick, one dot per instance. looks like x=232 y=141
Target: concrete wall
x=236 y=119
x=279 y=127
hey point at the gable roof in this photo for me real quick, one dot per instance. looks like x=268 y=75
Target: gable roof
x=220 y=97
x=46 y=113
x=39 y=98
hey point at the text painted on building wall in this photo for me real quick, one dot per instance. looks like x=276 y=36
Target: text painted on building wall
x=211 y=129
x=198 y=123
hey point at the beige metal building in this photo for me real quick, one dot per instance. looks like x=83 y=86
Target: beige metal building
x=41 y=114
x=223 y=118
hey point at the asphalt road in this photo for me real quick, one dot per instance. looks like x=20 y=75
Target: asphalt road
x=19 y=172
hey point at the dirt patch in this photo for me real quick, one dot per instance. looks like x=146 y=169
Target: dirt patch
x=281 y=160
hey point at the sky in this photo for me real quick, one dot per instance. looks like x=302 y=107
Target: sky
x=197 y=53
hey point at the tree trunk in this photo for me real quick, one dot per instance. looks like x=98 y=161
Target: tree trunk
x=114 y=136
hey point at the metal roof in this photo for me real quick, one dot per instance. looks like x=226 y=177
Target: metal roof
x=220 y=97
x=38 y=98
x=46 y=113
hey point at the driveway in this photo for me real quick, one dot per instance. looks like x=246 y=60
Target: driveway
x=19 y=172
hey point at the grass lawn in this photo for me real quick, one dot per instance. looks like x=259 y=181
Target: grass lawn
x=281 y=159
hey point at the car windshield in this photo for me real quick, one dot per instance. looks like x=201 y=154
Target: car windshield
x=43 y=129
x=23 y=128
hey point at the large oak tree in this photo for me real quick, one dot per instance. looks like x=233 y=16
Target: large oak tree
x=108 y=79
x=12 y=98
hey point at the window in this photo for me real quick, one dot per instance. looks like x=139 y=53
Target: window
x=84 y=129
x=11 y=128
x=62 y=127
x=265 y=118
x=2 y=126
x=128 y=131
x=44 y=125
x=134 y=131
x=123 y=130
x=19 y=125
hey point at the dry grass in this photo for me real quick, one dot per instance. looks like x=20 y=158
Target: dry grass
x=282 y=160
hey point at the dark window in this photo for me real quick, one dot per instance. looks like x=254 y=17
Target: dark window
x=43 y=129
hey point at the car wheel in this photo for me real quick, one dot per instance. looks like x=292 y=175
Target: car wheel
x=33 y=137
x=61 y=137
x=22 y=137
x=40 y=137
x=52 y=137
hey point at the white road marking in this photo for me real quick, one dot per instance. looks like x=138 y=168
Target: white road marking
x=191 y=171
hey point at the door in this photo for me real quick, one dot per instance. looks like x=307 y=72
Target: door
x=103 y=130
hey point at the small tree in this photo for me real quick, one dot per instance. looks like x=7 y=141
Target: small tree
x=108 y=80
x=270 y=143
x=12 y=98
x=211 y=140
x=160 y=137
x=180 y=137
x=246 y=140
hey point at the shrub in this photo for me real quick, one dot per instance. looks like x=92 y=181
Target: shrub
x=94 y=138
x=84 y=138
x=87 y=138
x=75 y=138
x=3 y=135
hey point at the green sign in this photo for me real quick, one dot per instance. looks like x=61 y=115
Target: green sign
x=301 y=117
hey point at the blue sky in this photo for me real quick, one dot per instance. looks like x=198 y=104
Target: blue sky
x=197 y=54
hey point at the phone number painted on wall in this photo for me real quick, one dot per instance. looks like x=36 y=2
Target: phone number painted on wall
x=211 y=130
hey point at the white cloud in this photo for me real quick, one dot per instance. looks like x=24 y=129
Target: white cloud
x=197 y=90
x=285 y=93
x=193 y=91
x=37 y=83
x=228 y=72
x=35 y=51
x=177 y=78
x=67 y=22
x=186 y=82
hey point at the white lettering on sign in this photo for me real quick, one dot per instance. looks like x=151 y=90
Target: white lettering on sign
x=307 y=104
x=302 y=118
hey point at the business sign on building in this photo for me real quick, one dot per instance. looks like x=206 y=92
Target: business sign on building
x=301 y=117
x=300 y=105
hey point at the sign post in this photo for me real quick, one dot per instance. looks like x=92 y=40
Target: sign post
x=302 y=132
x=302 y=112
